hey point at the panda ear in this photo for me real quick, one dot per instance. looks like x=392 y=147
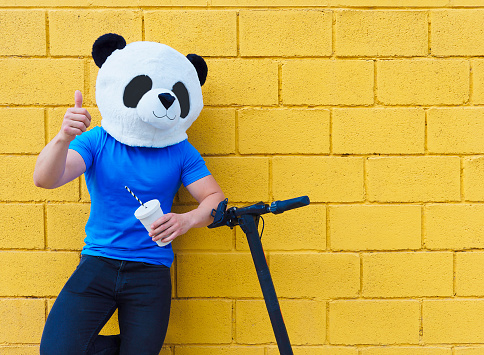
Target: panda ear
x=105 y=45
x=200 y=65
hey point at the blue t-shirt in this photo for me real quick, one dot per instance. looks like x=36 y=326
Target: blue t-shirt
x=151 y=173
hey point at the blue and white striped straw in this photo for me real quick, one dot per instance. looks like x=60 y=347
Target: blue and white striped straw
x=132 y=193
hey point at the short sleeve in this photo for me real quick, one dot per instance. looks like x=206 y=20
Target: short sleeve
x=85 y=145
x=194 y=167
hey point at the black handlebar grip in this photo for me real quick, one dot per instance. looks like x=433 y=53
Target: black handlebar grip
x=281 y=206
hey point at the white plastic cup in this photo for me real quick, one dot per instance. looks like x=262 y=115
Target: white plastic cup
x=149 y=213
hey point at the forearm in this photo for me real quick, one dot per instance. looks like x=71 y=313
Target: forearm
x=202 y=215
x=208 y=194
x=51 y=163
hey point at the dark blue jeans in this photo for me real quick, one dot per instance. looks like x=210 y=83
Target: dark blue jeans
x=141 y=293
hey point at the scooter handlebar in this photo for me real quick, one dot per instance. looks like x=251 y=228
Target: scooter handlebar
x=285 y=205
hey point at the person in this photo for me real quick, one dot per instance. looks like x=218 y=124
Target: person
x=121 y=267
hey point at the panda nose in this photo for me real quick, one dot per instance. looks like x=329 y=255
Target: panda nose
x=166 y=99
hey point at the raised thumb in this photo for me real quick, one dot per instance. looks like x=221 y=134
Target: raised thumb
x=78 y=99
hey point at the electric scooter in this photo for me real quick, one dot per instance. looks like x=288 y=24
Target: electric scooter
x=248 y=219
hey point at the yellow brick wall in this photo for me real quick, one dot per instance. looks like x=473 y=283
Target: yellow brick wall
x=372 y=108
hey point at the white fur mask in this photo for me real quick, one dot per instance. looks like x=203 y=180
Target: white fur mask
x=148 y=93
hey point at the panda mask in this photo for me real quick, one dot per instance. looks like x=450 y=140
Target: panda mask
x=148 y=93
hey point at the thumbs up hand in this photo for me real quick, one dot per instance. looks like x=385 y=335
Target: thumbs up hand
x=76 y=120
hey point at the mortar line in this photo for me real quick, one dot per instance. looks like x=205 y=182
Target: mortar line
x=47 y=33
x=143 y=29
x=333 y=34
x=237 y=32
x=429 y=34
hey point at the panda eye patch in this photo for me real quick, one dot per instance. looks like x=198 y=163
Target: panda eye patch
x=134 y=91
x=183 y=97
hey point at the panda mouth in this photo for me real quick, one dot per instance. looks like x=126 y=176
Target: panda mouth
x=166 y=115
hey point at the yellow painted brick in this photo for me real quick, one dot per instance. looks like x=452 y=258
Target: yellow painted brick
x=473 y=177
x=413 y=179
x=323 y=179
x=468 y=350
x=21 y=320
x=229 y=275
x=285 y=33
x=315 y=275
x=248 y=179
x=156 y=3
x=478 y=81
x=317 y=350
x=19 y=350
x=473 y=3
x=374 y=322
x=241 y=82
x=459 y=226
x=85 y=197
x=56 y=115
x=65 y=226
x=300 y=229
x=219 y=350
x=327 y=82
x=22 y=226
x=112 y=326
x=40 y=81
x=16 y=177
x=469 y=280
x=206 y=33
x=36 y=3
x=370 y=227
x=457 y=32
x=200 y=321
x=380 y=131
x=423 y=81
x=37 y=274
x=87 y=25
x=455 y=130
x=214 y=131
x=407 y=350
x=408 y=274
x=259 y=3
x=339 y=3
x=23 y=32
x=453 y=321
x=381 y=33
x=23 y=130
x=90 y=95
x=305 y=321
x=166 y=350
x=283 y=131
